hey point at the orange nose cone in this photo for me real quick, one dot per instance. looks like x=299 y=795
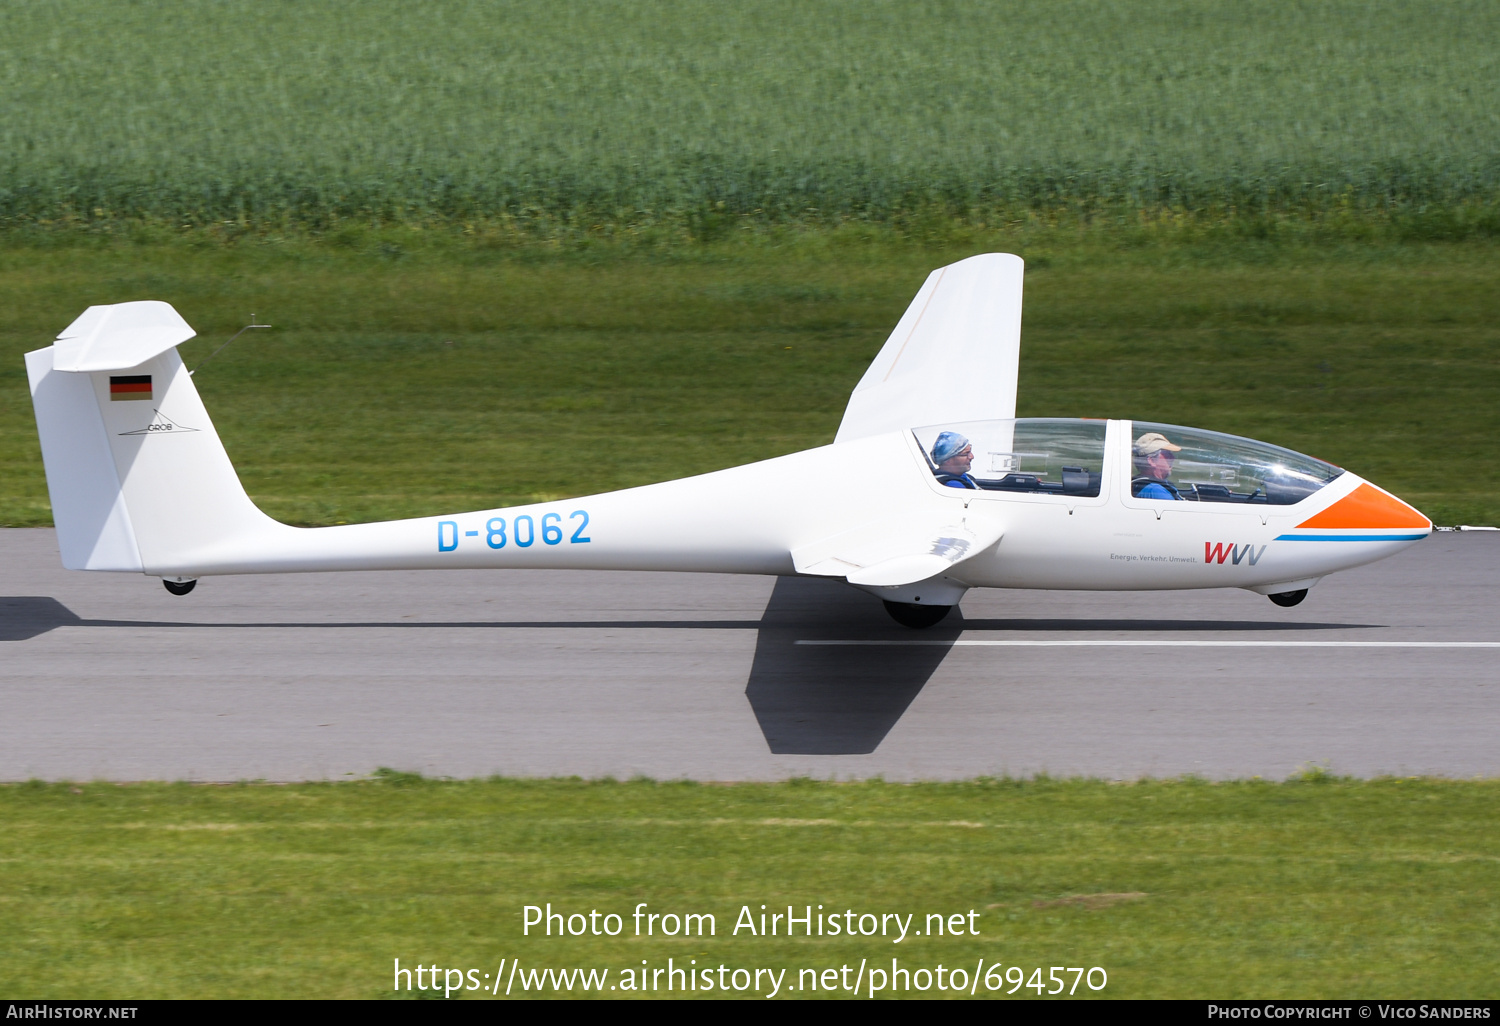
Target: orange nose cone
x=1367 y=507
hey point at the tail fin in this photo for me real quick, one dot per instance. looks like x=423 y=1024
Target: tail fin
x=138 y=478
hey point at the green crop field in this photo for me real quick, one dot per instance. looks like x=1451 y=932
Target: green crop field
x=1312 y=887
x=572 y=112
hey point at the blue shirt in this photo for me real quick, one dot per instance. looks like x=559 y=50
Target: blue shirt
x=1157 y=490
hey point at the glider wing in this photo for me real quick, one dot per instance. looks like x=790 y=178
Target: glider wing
x=952 y=358
x=898 y=551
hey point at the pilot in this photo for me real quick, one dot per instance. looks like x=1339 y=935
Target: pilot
x=952 y=455
x=1154 y=456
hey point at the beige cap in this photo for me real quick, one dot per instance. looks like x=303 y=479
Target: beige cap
x=1153 y=442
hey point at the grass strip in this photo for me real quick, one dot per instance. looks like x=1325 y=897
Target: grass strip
x=418 y=372
x=1317 y=886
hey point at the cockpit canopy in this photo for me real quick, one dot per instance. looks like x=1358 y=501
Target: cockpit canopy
x=1065 y=456
x=1047 y=455
x=1213 y=467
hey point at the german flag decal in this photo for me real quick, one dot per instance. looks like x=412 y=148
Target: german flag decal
x=130 y=386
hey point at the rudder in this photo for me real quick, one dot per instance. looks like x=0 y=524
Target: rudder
x=88 y=507
x=138 y=477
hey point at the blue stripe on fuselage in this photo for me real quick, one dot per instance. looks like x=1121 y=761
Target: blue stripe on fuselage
x=1351 y=537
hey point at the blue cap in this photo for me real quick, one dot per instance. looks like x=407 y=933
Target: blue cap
x=948 y=443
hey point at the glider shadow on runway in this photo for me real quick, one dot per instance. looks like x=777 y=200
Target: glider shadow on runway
x=26 y=616
x=835 y=701
x=808 y=700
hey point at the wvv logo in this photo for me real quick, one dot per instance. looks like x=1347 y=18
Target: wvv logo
x=1217 y=552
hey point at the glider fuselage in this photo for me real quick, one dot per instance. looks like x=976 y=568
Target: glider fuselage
x=753 y=518
x=931 y=487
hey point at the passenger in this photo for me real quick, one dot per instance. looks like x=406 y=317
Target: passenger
x=1154 y=456
x=952 y=456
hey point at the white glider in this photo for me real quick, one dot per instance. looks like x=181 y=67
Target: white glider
x=931 y=487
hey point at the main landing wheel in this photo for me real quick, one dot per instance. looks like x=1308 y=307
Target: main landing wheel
x=1289 y=598
x=179 y=587
x=915 y=616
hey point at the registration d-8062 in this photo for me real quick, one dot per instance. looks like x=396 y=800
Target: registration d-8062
x=522 y=531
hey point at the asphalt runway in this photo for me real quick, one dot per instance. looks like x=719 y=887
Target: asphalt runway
x=533 y=673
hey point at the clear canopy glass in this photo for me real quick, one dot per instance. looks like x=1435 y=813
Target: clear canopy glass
x=1188 y=464
x=1041 y=455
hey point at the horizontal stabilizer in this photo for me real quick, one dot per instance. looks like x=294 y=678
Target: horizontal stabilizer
x=898 y=551
x=953 y=357
x=119 y=337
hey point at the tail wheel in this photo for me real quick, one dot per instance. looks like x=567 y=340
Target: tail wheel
x=179 y=587
x=917 y=617
x=1289 y=598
